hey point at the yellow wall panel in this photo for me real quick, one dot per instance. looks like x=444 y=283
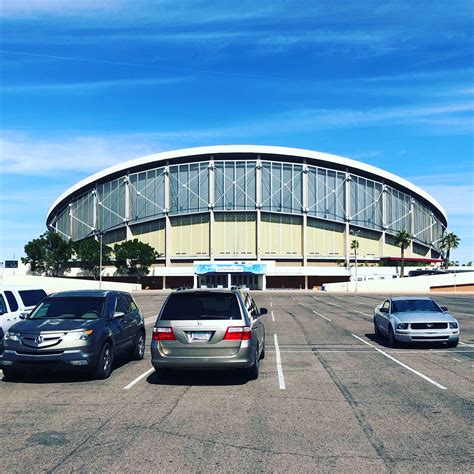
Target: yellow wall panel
x=324 y=239
x=190 y=236
x=151 y=233
x=235 y=234
x=281 y=236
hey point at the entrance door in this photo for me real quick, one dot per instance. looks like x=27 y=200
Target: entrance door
x=213 y=280
x=247 y=280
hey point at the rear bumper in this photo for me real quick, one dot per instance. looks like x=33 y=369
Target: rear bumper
x=68 y=359
x=244 y=358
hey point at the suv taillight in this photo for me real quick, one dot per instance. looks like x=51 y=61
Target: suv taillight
x=163 y=334
x=238 y=333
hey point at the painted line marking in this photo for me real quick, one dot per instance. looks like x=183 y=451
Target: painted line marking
x=281 y=378
x=402 y=364
x=333 y=304
x=361 y=312
x=324 y=317
x=271 y=304
x=464 y=344
x=133 y=382
x=273 y=316
x=459 y=360
x=149 y=320
x=367 y=351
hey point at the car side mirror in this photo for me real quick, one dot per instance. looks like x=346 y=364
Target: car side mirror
x=443 y=308
x=22 y=316
x=263 y=311
x=118 y=315
x=384 y=310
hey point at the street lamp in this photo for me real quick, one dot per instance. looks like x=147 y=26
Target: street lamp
x=355 y=246
x=100 y=235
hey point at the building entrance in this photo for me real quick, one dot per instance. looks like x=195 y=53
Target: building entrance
x=221 y=280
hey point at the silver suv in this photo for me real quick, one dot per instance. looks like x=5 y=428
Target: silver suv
x=205 y=329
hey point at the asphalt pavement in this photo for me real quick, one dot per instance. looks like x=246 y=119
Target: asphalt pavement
x=330 y=398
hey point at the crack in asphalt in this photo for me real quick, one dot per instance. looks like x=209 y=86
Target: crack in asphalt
x=376 y=443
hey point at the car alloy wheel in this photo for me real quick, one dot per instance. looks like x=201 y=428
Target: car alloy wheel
x=104 y=367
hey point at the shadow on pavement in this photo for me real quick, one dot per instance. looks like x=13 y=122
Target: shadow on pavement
x=198 y=377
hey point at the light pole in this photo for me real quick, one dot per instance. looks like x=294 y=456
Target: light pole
x=355 y=246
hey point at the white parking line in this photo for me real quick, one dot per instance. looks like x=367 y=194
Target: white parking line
x=281 y=378
x=464 y=344
x=402 y=364
x=324 y=317
x=273 y=316
x=271 y=304
x=333 y=304
x=361 y=312
x=133 y=382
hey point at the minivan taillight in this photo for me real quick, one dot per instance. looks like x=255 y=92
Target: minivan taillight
x=238 y=333
x=163 y=334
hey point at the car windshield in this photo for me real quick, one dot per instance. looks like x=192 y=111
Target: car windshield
x=69 y=308
x=401 y=306
x=210 y=305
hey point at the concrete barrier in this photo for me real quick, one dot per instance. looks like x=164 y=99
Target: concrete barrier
x=51 y=285
x=419 y=284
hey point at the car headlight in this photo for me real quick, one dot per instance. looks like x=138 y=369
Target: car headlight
x=453 y=325
x=12 y=336
x=402 y=326
x=86 y=334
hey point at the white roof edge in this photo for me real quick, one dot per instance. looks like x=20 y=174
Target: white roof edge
x=277 y=150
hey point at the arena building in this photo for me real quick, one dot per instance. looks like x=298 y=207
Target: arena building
x=260 y=216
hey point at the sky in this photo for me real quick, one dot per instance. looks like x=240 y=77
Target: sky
x=88 y=84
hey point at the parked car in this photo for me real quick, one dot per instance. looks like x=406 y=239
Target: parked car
x=16 y=302
x=205 y=329
x=414 y=320
x=75 y=329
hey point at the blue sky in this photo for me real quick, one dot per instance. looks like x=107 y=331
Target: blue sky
x=88 y=84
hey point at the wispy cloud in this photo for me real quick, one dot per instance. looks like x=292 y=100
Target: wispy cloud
x=86 y=86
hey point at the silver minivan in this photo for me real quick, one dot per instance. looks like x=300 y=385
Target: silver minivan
x=205 y=329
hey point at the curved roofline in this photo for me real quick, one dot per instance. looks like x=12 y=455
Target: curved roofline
x=263 y=149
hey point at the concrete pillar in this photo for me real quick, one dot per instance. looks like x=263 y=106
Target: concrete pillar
x=167 y=220
x=304 y=246
x=306 y=282
x=195 y=281
x=229 y=280
x=384 y=221
x=258 y=194
x=211 y=171
x=264 y=282
x=129 y=235
x=164 y=282
x=95 y=214
x=347 y=213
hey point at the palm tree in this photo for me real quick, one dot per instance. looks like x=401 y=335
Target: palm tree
x=449 y=241
x=402 y=240
x=355 y=246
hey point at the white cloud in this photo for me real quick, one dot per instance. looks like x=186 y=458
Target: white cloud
x=86 y=86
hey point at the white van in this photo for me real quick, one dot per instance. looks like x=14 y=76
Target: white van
x=16 y=302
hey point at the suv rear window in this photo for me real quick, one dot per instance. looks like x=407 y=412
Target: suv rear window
x=32 y=297
x=202 y=305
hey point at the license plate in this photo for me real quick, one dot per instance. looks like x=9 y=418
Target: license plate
x=200 y=336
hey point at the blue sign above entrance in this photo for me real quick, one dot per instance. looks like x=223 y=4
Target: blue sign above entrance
x=256 y=268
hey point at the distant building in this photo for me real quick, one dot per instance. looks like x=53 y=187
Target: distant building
x=260 y=216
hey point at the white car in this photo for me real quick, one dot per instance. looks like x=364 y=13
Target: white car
x=16 y=302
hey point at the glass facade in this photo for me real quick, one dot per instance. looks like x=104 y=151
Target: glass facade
x=240 y=187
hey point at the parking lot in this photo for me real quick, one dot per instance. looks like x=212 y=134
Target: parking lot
x=329 y=398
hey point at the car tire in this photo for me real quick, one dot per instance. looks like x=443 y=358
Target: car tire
x=138 y=350
x=10 y=374
x=106 y=359
x=377 y=332
x=252 y=371
x=262 y=354
x=452 y=343
x=392 y=342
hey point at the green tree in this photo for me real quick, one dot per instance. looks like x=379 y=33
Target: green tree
x=134 y=258
x=402 y=240
x=88 y=255
x=449 y=241
x=49 y=254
